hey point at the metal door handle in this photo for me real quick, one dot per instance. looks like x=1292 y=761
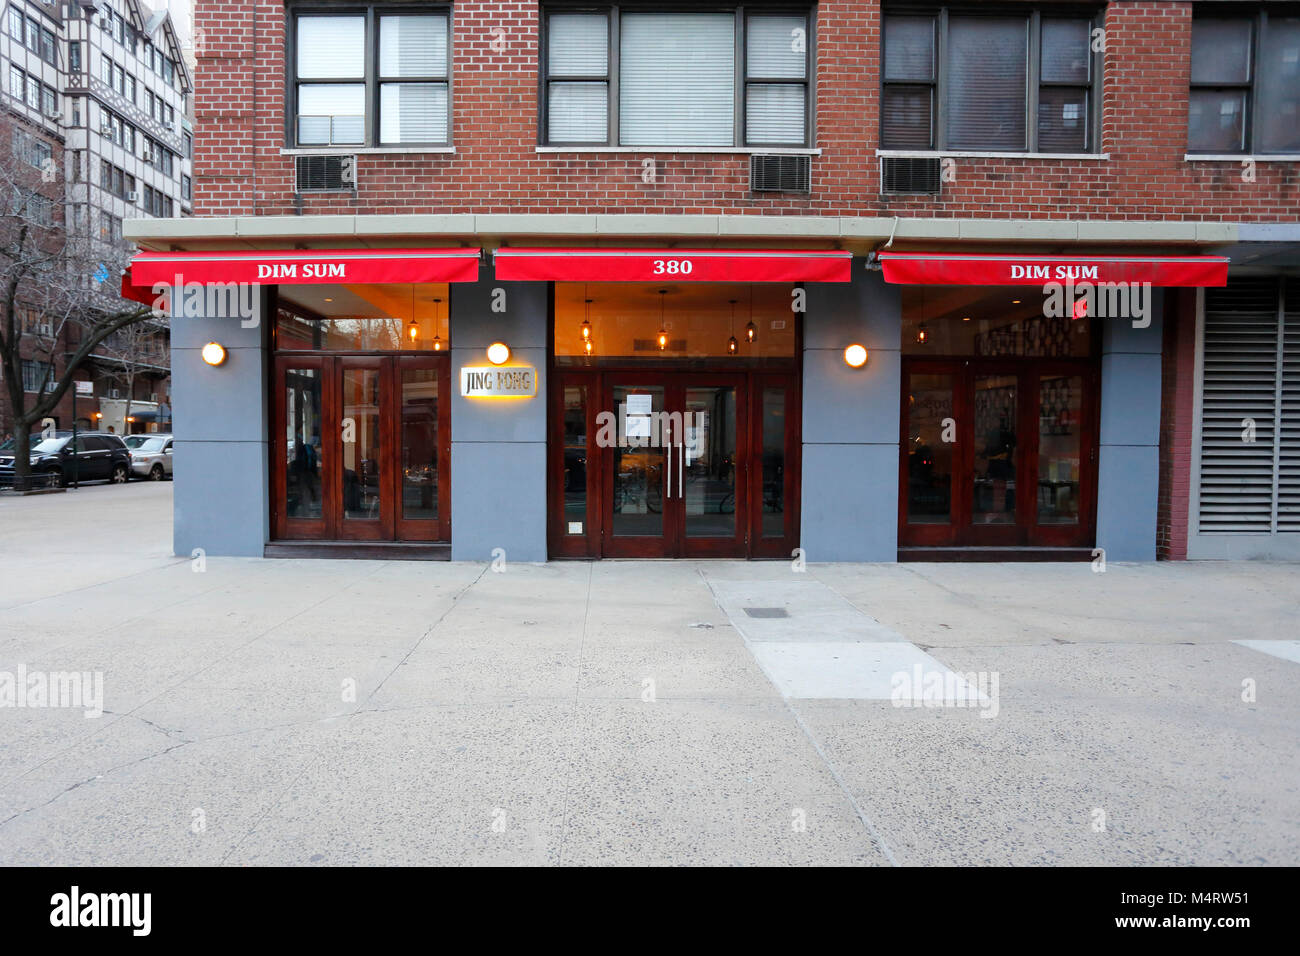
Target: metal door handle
x=681 y=465
x=668 y=471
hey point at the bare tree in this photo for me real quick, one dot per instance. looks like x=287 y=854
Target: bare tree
x=62 y=269
x=129 y=354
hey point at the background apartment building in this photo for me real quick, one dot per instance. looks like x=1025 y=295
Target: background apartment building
x=630 y=197
x=99 y=92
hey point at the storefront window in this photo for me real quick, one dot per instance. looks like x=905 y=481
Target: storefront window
x=363 y=318
x=929 y=449
x=990 y=321
x=623 y=322
x=302 y=404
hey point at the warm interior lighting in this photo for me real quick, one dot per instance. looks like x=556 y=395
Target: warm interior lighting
x=855 y=356
x=437 y=342
x=413 y=330
x=1015 y=301
x=732 y=345
x=965 y=318
x=587 y=346
x=214 y=353
x=663 y=332
x=586 y=318
x=922 y=335
x=498 y=353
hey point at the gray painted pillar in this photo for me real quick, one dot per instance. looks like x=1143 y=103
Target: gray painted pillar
x=219 y=416
x=849 y=509
x=1128 y=468
x=498 y=446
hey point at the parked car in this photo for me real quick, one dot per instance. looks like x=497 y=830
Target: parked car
x=151 y=458
x=98 y=456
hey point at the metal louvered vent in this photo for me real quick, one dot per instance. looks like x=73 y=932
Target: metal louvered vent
x=326 y=173
x=1250 y=408
x=904 y=175
x=780 y=174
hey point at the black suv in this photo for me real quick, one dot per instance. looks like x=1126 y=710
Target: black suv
x=98 y=456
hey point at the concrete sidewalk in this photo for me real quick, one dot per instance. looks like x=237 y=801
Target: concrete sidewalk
x=298 y=712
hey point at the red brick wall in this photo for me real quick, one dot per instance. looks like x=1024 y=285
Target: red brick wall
x=240 y=132
x=1178 y=373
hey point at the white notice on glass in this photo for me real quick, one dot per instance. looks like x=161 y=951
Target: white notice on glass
x=637 y=426
x=639 y=404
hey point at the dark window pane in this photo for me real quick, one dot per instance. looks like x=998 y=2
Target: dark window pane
x=909 y=48
x=1216 y=120
x=1062 y=120
x=773 y=463
x=420 y=443
x=1279 y=87
x=1221 y=51
x=361 y=443
x=1060 y=421
x=575 y=460
x=994 y=491
x=302 y=407
x=906 y=118
x=707 y=469
x=929 y=457
x=1065 y=55
x=986 y=79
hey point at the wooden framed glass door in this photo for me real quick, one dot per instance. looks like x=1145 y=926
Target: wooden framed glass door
x=998 y=453
x=673 y=464
x=360 y=448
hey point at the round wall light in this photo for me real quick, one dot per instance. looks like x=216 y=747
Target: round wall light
x=498 y=353
x=855 y=356
x=214 y=353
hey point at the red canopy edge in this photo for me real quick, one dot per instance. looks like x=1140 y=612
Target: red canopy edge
x=305 y=267
x=957 y=268
x=672 y=265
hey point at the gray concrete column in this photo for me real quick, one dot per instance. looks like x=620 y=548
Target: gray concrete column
x=849 y=509
x=219 y=416
x=498 y=446
x=1128 y=467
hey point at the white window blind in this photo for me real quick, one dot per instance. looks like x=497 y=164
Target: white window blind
x=775 y=50
x=413 y=113
x=987 y=63
x=413 y=46
x=677 y=79
x=331 y=114
x=1249 y=466
x=331 y=48
x=578 y=61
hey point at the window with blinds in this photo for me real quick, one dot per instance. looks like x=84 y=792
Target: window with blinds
x=1245 y=85
x=1249 y=464
x=675 y=79
x=1001 y=83
x=371 y=78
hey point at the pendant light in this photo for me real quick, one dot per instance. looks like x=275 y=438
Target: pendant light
x=731 y=342
x=663 y=332
x=586 y=321
x=751 y=331
x=412 y=328
x=437 y=342
x=922 y=334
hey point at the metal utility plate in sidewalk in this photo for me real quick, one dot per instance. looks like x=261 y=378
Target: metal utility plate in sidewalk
x=823 y=647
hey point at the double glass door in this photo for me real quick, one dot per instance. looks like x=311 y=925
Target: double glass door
x=998 y=453
x=360 y=448
x=673 y=464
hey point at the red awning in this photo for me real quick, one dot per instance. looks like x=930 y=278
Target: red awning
x=304 y=267
x=672 y=265
x=956 y=268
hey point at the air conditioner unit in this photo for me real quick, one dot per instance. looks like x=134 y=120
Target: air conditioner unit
x=153 y=397
x=147 y=157
x=106 y=129
x=780 y=174
x=53 y=112
x=326 y=173
x=910 y=175
x=133 y=197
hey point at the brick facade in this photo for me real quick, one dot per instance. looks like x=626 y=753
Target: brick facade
x=1178 y=382
x=239 y=168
